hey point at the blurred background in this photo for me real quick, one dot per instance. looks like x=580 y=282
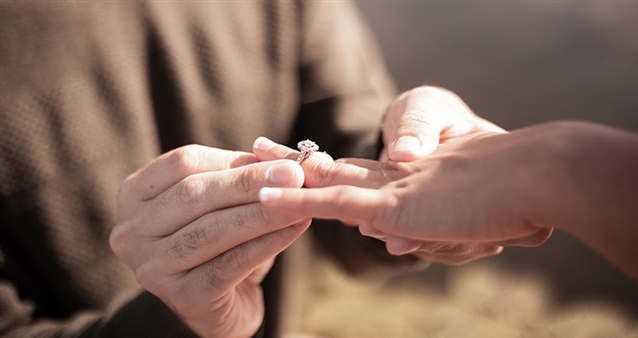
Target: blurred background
x=516 y=63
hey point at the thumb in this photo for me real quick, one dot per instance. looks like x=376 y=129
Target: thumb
x=414 y=137
x=414 y=123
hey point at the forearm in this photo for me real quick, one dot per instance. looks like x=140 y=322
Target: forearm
x=593 y=190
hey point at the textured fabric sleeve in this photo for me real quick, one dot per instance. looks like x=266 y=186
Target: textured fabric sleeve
x=143 y=316
x=345 y=91
x=345 y=87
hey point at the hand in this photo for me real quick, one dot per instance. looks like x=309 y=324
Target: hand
x=424 y=117
x=192 y=229
x=417 y=122
x=467 y=200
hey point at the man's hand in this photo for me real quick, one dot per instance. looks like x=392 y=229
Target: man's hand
x=424 y=117
x=192 y=229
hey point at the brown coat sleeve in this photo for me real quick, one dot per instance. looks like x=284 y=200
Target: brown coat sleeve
x=78 y=116
x=345 y=92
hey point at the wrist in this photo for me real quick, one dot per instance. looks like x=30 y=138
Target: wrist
x=579 y=168
x=547 y=181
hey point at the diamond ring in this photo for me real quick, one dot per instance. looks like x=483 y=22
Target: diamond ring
x=306 y=147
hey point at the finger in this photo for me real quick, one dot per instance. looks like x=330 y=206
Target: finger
x=416 y=120
x=457 y=254
x=174 y=166
x=202 y=193
x=413 y=138
x=339 y=202
x=384 y=157
x=217 y=276
x=413 y=124
x=350 y=222
x=258 y=275
x=217 y=232
x=401 y=246
x=366 y=229
x=532 y=240
x=268 y=150
x=321 y=171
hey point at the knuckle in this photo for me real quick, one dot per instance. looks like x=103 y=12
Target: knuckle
x=191 y=191
x=218 y=272
x=177 y=250
x=115 y=241
x=186 y=159
x=238 y=220
x=193 y=238
x=460 y=253
x=184 y=245
x=234 y=259
x=263 y=214
x=323 y=175
x=245 y=182
x=449 y=249
x=367 y=229
x=189 y=240
x=146 y=275
x=162 y=201
x=214 y=277
x=255 y=216
x=120 y=237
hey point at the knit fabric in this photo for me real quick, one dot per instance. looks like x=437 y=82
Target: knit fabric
x=92 y=91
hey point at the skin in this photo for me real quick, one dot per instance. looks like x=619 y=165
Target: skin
x=191 y=226
x=490 y=189
x=172 y=215
x=417 y=122
x=355 y=191
x=421 y=119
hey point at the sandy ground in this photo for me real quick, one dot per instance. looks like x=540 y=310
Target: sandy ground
x=515 y=63
x=478 y=300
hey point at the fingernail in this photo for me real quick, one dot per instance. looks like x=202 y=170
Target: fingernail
x=267 y=194
x=406 y=145
x=401 y=246
x=264 y=144
x=282 y=173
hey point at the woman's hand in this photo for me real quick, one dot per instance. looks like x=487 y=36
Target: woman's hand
x=467 y=200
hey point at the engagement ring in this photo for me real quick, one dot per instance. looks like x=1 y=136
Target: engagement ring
x=306 y=148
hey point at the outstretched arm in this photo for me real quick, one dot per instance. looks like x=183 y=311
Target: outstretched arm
x=498 y=189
